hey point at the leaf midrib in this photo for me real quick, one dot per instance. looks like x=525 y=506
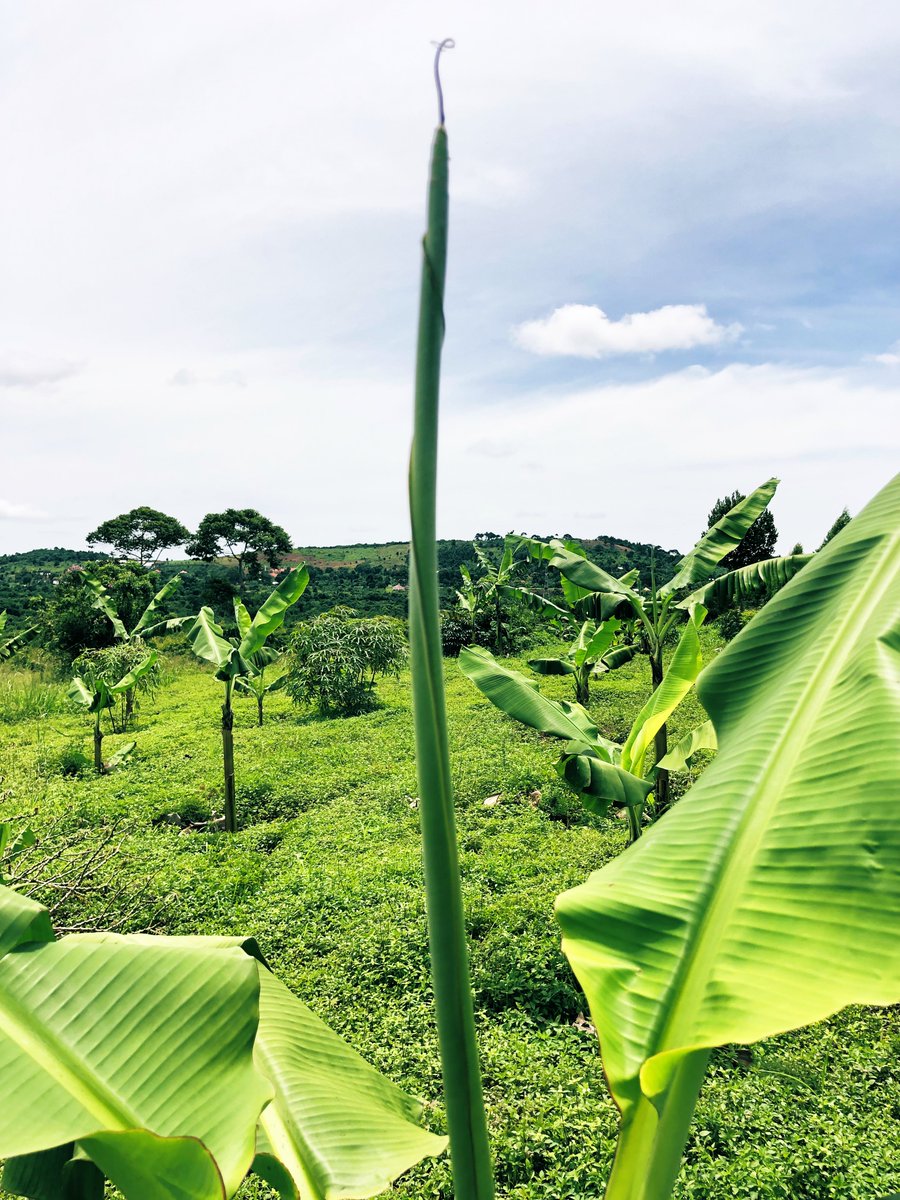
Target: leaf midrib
x=675 y=1031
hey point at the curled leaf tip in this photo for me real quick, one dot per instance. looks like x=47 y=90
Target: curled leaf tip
x=440 y=47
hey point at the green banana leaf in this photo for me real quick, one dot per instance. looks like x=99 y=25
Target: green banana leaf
x=242 y=617
x=538 y=604
x=135 y=675
x=746 y=583
x=682 y=754
x=271 y=615
x=727 y=533
x=207 y=639
x=519 y=698
x=103 y=603
x=157 y=1001
x=551 y=666
x=602 y=785
x=615 y=658
x=786 y=853
x=94 y=697
x=589 y=576
x=336 y=1127
x=231 y=1038
x=680 y=677
x=120 y=756
x=145 y=624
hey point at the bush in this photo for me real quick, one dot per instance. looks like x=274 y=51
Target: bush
x=69 y=621
x=112 y=663
x=732 y=621
x=334 y=660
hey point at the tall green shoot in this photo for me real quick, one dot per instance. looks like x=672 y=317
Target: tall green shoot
x=470 y=1154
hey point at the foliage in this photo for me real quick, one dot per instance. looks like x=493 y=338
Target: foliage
x=242 y=657
x=840 y=521
x=114 y=662
x=484 y=596
x=732 y=621
x=98 y=692
x=10 y=643
x=141 y=534
x=783 y=860
x=246 y=535
x=757 y=543
x=326 y=874
x=253 y=1079
x=70 y=621
x=335 y=659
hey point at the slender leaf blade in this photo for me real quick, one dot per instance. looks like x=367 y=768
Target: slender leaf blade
x=746 y=583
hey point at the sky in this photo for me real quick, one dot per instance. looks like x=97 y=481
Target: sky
x=674 y=263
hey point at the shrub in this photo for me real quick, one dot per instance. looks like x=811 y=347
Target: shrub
x=334 y=660
x=732 y=621
x=114 y=662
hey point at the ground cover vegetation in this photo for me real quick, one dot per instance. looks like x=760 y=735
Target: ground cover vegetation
x=715 y=988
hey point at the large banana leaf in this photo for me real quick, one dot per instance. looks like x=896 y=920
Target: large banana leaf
x=601 y=784
x=785 y=854
x=519 y=698
x=551 y=666
x=336 y=1126
x=146 y=624
x=678 y=680
x=207 y=639
x=746 y=583
x=271 y=614
x=727 y=533
x=88 y=1022
x=87 y=1025
x=135 y=675
x=546 y=608
x=589 y=576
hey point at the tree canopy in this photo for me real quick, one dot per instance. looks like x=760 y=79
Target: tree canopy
x=244 y=534
x=758 y=542
x=840 y=522
x=141 y=534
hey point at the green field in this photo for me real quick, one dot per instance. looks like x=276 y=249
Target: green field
x=326 y=875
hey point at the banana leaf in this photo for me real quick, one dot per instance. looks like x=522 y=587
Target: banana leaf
x=551 y=666
x=271 y=615
x=746 y=583
x=727 y=533
x=146 y=626
x=783 y=855
x=103 y=603
x=682 y=754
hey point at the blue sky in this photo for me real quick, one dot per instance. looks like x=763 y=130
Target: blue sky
x=211 y=258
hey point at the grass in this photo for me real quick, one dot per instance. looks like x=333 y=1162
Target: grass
x=326 y=873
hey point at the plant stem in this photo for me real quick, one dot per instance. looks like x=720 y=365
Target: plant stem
x=470 y=1153
x=228 y=758
x=98 y=744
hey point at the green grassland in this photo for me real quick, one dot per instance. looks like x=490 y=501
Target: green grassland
x=326 y=874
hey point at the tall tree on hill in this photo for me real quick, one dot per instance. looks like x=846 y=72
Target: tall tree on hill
x=757 y=544
x=140 y=535
x=245 y=535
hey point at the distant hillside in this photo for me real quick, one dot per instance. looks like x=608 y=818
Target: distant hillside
x=34 y=573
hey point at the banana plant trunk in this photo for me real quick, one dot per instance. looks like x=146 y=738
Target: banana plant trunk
x=98 y=744
x=583 y=685
x=259 y=710
x=661 y=740
x=129 y=708
x=228 y=759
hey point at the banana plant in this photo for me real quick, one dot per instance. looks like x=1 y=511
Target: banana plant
x=144 y=627
x=97 y=694
x=11 y=643
x=255 y=685
x=175 y=1066
x=785 y=856
x=233 y=659
x=486 y=593
x=656 y=611
x=604 y=774
x=601 y=640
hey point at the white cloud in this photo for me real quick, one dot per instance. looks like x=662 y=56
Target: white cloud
x=32 y=372
x=585 y=331
x=891 y=357
x=19 y=512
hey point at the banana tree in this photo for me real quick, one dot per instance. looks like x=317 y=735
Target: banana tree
x=211 y=1070
x=601 y=642
x=97 y=694
x=11 y=643
x=145 y=626
x=233 y=659
x=656 y=611
x=486 y=593
x=604 y=774
x=784 y=855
